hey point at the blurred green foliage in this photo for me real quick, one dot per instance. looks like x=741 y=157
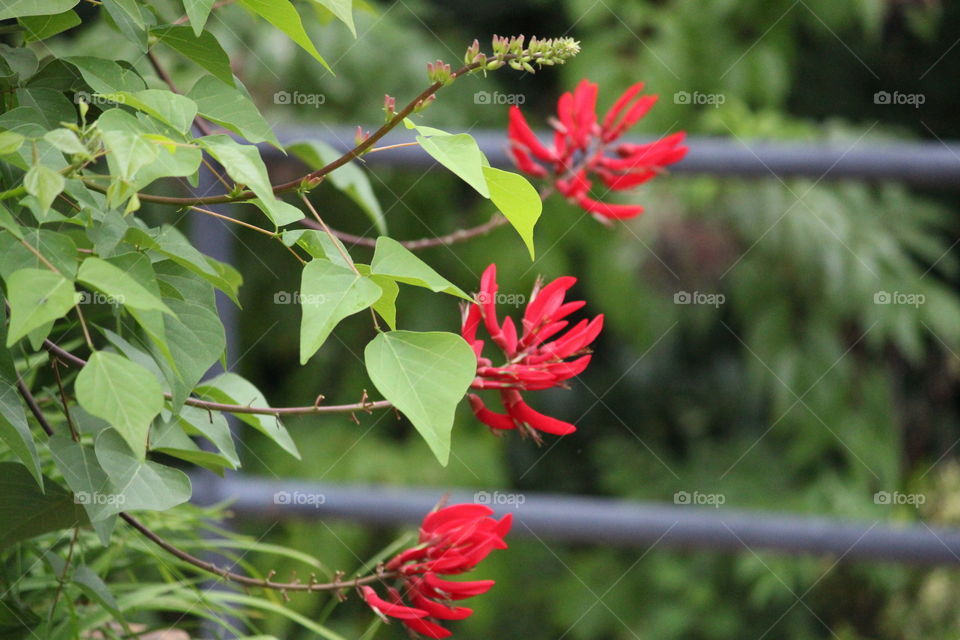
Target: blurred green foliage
x=798 y=393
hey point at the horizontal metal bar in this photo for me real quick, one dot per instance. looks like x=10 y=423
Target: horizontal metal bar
x=916 y=163
x=601 y=521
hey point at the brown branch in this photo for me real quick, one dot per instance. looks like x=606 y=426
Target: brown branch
x=365 y=405
x=461 y=235
x=226 y=574
x=34 y=407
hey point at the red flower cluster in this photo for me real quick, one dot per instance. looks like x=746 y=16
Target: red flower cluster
x=580 y=144
x=453 y=540
x=535 y=359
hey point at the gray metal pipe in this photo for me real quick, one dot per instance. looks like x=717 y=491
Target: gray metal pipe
x=602 y=521
x=917 y=163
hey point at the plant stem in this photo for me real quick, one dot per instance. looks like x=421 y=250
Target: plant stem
x=226 y=574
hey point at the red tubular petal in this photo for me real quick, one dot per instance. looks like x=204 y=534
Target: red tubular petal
x=584 y=110
x=636 y=111
x=428 y=629
x=567 y=370
x=547 y=300
x=470 y=323
x=565 y=107
x=488 y=298
x=490 y=418
x=627 y=149
x=525 y=163
x=520 y=410
x=577 y=338
x=621 y=181
x=614 y=211
x=455 y=511
x=441 y=611
x=519 y=132
x=457 y=590
x=567 y=309
x=406 y=556
x=545 y=333
x=620 y=104
x=509 y=339
x=398 y=611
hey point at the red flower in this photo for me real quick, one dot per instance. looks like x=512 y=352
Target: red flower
x=537 y=358
x=580 y=146
x=453 y=540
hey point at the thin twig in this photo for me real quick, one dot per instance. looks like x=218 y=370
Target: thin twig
x=226 y=574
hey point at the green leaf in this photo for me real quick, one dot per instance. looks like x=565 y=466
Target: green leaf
x=14 y=429
x=37 y=296
x=343 y=10
x=168 y=241
x=167 y=107
x=244 y=164
x=328 y=294
x=128 y=18
x=172 y=436
x=142 y=485
x=386 y=305
x=123 y=393
x=350 y=178
x=231 y=108
x=95 y=588
x=196 y=340
x=392 y=259
x=90 y=485
x=106 y=76
x=230 y=388
x=318 y=244
x=19 y=8
x=26 y=511
x=198 y=11
x=44 y=184
x=517 y=199
x=425 y=375
x=115 y=282
x=283 y=15
x=66 y=140
x=41 y=27
x=461 y=155
x=10 y=142
x=202 y=49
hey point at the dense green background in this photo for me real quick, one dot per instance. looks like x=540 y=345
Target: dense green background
x=798 y=394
